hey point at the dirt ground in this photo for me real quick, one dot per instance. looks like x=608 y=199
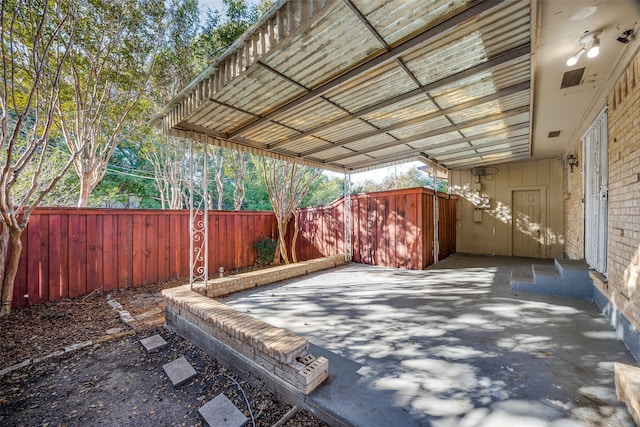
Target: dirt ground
x=115 y=381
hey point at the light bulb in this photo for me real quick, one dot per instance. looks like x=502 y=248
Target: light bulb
x=594 y=51
x=574 y=59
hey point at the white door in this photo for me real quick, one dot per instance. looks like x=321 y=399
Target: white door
x=526 y=222
x=596 y=189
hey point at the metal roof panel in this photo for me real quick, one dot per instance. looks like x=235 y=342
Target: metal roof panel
x=389 y=17
x=333 y=43
x=401 y=111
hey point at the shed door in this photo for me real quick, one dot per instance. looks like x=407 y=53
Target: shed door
x=596 y=190
x=527 y=229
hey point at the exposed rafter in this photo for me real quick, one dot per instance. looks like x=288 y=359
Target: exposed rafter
x=479 y=101
x=503 y=58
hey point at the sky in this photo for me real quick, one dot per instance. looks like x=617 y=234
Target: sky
x=376 y=175
x=213 y=5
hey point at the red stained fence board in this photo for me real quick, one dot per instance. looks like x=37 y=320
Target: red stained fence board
x=71 y=252
x=389 y=228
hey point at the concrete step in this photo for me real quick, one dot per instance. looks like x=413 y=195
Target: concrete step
x=573 y=269
x=519 y=276
x=565 y=278
x=545 y=271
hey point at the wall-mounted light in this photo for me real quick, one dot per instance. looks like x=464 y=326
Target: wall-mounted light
x=572 y=161
x=590 y=44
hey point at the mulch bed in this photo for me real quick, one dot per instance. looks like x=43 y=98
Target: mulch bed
x=115 y=382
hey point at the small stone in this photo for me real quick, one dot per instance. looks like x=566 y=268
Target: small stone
x=115 y=304
x=114 y=331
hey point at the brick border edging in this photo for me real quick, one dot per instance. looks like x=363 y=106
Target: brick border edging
x=223 y=286
x=68 y=349
x=115 y=305
x=282 y=353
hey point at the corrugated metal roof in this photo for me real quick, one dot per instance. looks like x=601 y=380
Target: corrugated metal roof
x=349 y=85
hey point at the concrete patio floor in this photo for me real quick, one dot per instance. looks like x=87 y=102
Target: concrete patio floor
x=449 y=346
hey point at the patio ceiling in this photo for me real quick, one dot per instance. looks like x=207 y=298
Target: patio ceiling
x=351 y=85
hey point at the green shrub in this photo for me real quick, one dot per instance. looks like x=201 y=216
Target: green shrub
x=266 y=248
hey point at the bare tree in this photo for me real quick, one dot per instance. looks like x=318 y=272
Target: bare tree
x=36 y=39
x=216 y=155
x=168 y=158
x=238 y=161
x=287 y=184
x=300 y=185
x=109 y=70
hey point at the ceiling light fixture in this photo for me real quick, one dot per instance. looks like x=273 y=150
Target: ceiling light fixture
x=595 y=47
x=590 y=44
x=574 y=59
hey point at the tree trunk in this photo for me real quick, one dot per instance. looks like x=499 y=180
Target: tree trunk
x=85 y=192
x=296 y=220
x=282 y=244
x=9 y=237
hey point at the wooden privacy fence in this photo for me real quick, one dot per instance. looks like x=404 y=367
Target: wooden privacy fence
x=390 y=228
x=71 y=252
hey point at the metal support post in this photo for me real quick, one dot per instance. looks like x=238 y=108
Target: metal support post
x=198 y=217
x=348 y=230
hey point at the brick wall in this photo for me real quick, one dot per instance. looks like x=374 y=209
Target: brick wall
x=623 y=287
x=278 y=352
x=573 y=207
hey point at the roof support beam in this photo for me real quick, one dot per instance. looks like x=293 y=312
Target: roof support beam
x=478 y=101
x=507 y=157
x=429 y=134
x=407 y=154
x=476 y=8
x=493 y=62
x=517 y=143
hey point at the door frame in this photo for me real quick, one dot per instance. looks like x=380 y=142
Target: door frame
x=543 y=216
x=602 y=258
